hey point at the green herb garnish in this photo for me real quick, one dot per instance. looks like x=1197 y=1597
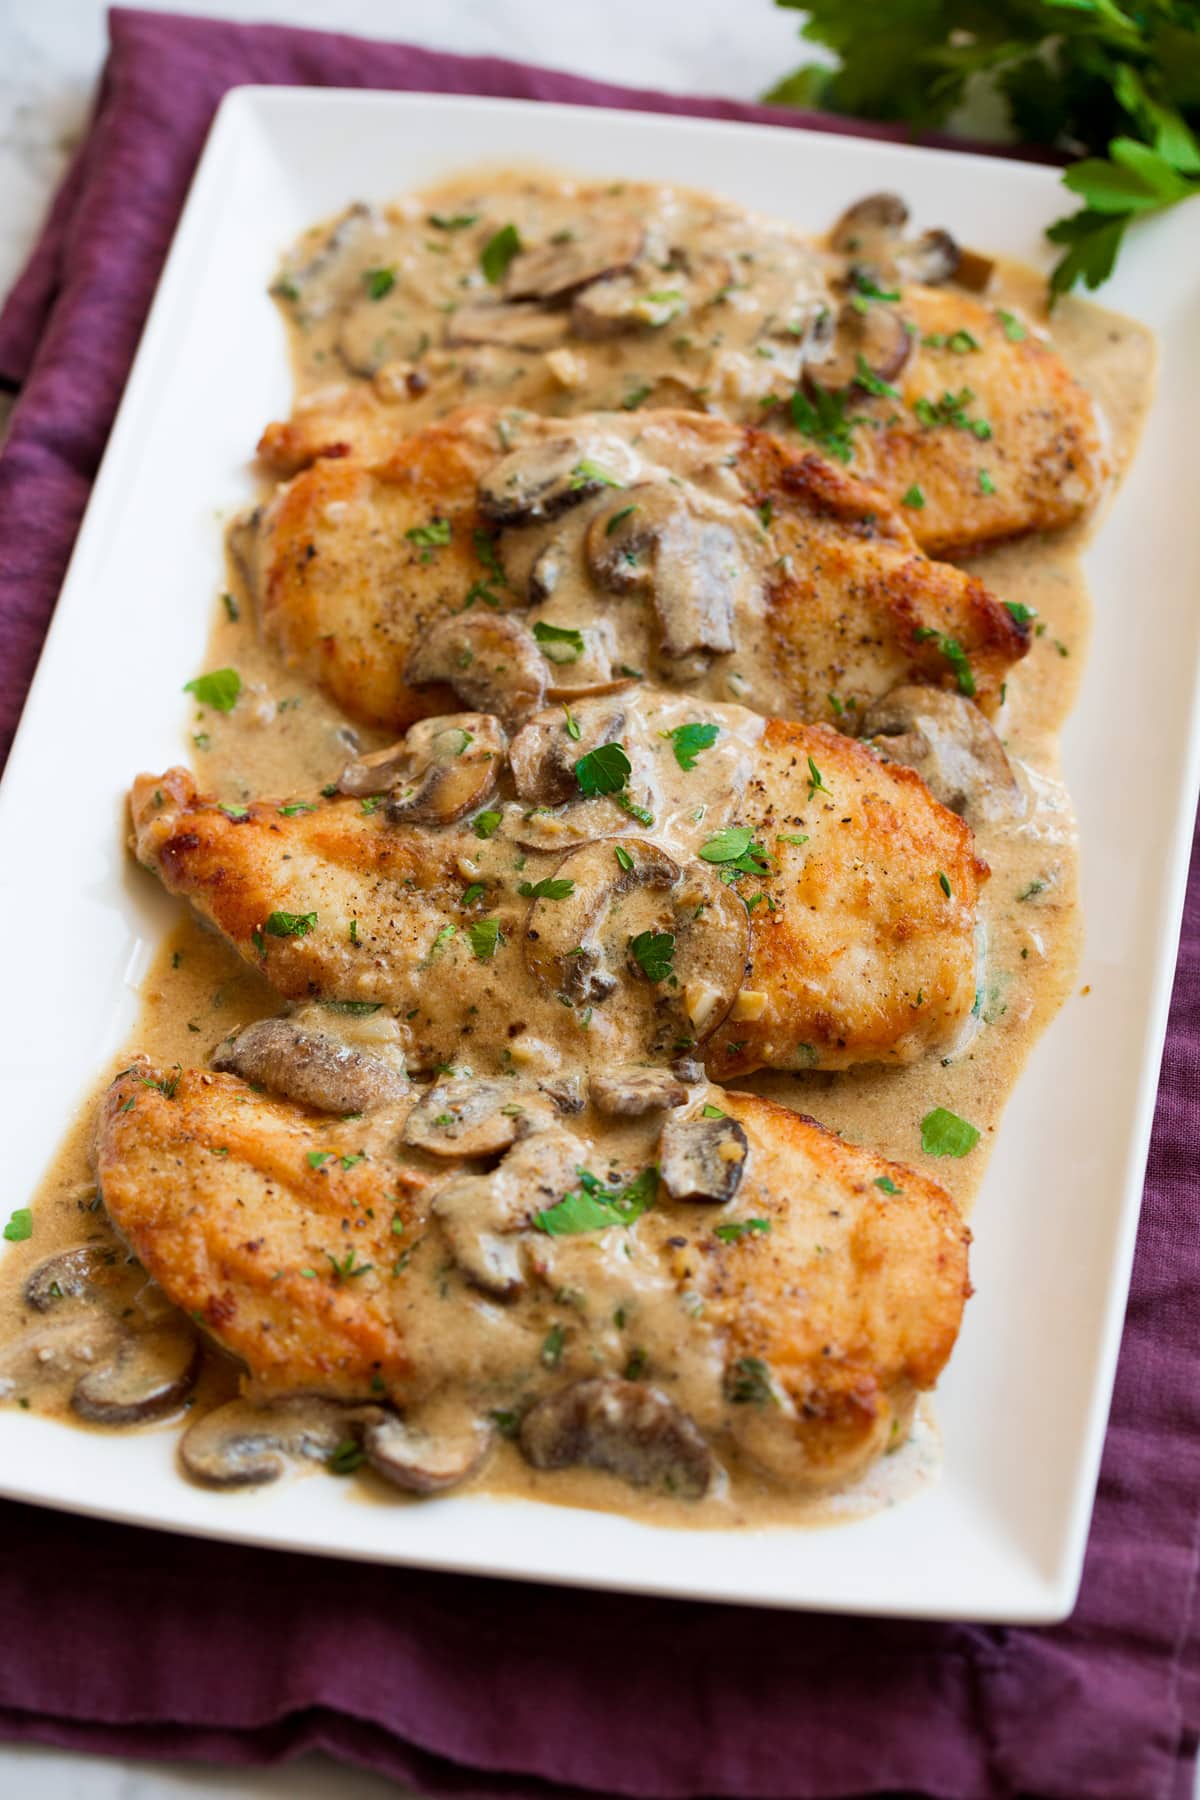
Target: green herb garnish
x=218 y=689
x=687 y=741
x=943 y=1133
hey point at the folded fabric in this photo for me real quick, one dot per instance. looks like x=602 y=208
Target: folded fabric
x=139 y=1643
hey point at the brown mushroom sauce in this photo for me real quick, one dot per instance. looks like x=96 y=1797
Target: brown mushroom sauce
x=285 y=737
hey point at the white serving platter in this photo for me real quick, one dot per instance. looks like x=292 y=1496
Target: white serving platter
x=1024 y=1403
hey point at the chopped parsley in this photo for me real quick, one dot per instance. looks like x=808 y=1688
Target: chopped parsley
x=1014 y=331
x=549 y=888
x=296 y=806
x=486 y=824
x=378 y=282
x=943 y=1133
x=986 y=484
x=748 y=1383
x=593 y=1207
x=944 y=884
x=950 y=409
x=453 y=221
x=866 y=377
x=740 y=1228
x=623 y=857
x=431 y=536
x=560 y=643
x=286 y=924
x=498 y=252
x=348 y=1457
x=604 y=770
x=867 y=288
x=20 y=1225
x=713 y=1112
x=954 y=654
x=1021 y=613
x=586 y=471
x=823 y=419
x=353 y=1009
x=484 y=935
x=232 y=609
x=653 y=952
x=571 y=724
x=816 y=784
x=914 y=498
x=218 y=689
x=886 y=1185
x=552 y=1347
x=687 y=741
x=617 y=518
x=474 y=892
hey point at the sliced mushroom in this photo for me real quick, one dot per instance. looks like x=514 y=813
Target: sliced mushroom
x=70 y=1275
x=327 y=280
x=691 y=565
x=514 y=325
x=313 y=1067
x=703 y=1159
x=57 y=1350
x=491 y=660
x=441 y=769
x=631 y=1090
x=570 y=259
x=242 y=1445
x=439 y=1449
x=623 y=1427
x=543 y=754
x=624 y=303
x=548 y=476
x=575 y=946
x=867 y=345
x=476 y=1116
x=481 y=1214
x=947 y=740
x=152 y=1374
x=871 y=234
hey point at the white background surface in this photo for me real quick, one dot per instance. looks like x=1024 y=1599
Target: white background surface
x=49 y=56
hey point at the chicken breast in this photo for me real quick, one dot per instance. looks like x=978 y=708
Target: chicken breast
x=789 y=1326
x=673 y=874
x=709 y=555
x=562 y=300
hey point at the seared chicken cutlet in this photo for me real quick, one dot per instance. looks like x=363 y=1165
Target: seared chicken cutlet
x=784 y=1296
x=707 y=555
x=674 y=874
x=562 y=300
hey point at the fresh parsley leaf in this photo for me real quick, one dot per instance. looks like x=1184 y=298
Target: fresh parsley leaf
x=986 y=484
x=586 y=472
x=348 y=1457
x=727 y=845
x=944 y=884
x=623 y=857
x=748 y=1383
x=474 y=891
x=218 y=689
x=954 y=654
x=20 y=1225
x=820 y=414
x=687 y=741
x=498 y=252
x=486 y=824
x=484 y=936
x=740 y=1228
x=286 y=924
x=1014 y=331
x=816 y=782
x=867 y=288
x=653 y=952
x=378 y=282
x=887 y=1185
x=353 y=1009
x=549 y=888
x=431 y=536
x=713 y=1112
x=560 y=643
x=453 y=221
x=552 y=1347
x=604 y=770
x=571 y=724
x=866 y=377
x=1021 y=613
x=592 y=1207
x=943 y=1133
x=232 y=610
x=622 y=513
x=914 y=498
x=296 y=806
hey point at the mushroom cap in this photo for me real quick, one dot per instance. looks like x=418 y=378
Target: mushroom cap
x=630 y=1090
x=243 y=1445
x=491 y=660
x=543 y=754
x=431 y=1453
x=475 y=1116
x=654 y=539
x=951 y=745
x=69 y=1274
x=449 y=767
x=703 y=1159
x=313 y=1067
x=597 y=247
x=512 y=324
x=151 y=1375
x=578 y=946
x=625 y=1428
x=547 y=476
x=874 y=343
x=481 y=1216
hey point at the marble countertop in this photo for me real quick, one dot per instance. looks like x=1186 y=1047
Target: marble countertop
x=50 y=57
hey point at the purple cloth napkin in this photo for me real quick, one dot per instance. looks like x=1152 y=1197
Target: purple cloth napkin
x=138 y=1643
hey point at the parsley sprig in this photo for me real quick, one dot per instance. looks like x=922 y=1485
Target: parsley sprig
x=1113 y=80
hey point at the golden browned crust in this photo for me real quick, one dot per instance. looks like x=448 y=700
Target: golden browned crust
x=239 y=1206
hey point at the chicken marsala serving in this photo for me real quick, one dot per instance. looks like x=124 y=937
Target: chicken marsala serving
x=560 y=298
x=663 y=1288
x=514 y=562
x=787 y=899
x=589 y=722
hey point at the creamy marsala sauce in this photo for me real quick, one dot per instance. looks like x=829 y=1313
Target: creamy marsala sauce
x=285 y=738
